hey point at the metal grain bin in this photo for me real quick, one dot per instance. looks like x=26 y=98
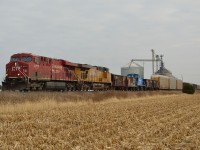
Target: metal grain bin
x=132 y=68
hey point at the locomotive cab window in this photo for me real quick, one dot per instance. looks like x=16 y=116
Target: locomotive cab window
x=26 y=58
x=15 y=59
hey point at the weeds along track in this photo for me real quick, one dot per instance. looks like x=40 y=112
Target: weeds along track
x=20 y=97
x=150 y=121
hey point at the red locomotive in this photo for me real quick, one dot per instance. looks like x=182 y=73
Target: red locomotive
x=26 y=71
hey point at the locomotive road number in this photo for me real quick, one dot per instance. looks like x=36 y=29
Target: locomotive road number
x=15 y=68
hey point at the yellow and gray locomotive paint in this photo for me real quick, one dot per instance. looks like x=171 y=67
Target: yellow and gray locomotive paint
x=93 y=77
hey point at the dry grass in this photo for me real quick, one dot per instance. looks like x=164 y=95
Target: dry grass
x=17 y=97
x=120 y=121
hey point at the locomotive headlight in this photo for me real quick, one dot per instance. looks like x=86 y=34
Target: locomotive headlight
x=18 y=74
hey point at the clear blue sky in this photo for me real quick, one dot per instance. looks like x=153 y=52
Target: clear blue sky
x=104 y=32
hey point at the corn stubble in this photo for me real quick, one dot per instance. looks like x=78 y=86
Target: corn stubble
x=112 y=121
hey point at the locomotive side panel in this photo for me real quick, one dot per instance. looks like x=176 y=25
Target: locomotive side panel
x=78 y=73
x=69 y=73
x=87 y=74
x=92 y=75
x=46 y=69
x=106 y=77
x=57 y=71
x=40 y=69
x=103 y=74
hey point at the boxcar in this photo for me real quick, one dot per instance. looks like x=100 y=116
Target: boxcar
x=172 y=83
x=163 y=81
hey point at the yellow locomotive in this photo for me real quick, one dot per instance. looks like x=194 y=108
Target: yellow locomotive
x=93 y=77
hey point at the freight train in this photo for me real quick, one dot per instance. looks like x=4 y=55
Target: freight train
x=28 y=72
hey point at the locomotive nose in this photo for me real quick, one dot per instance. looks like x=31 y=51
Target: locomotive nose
x=17 y=70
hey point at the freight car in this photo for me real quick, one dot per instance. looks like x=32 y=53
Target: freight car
x=119 y=82
x=163 y=81
x=151 y=84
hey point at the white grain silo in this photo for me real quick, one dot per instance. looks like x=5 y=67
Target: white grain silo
x=132 y=67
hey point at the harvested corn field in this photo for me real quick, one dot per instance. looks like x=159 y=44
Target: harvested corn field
x=151 y=121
